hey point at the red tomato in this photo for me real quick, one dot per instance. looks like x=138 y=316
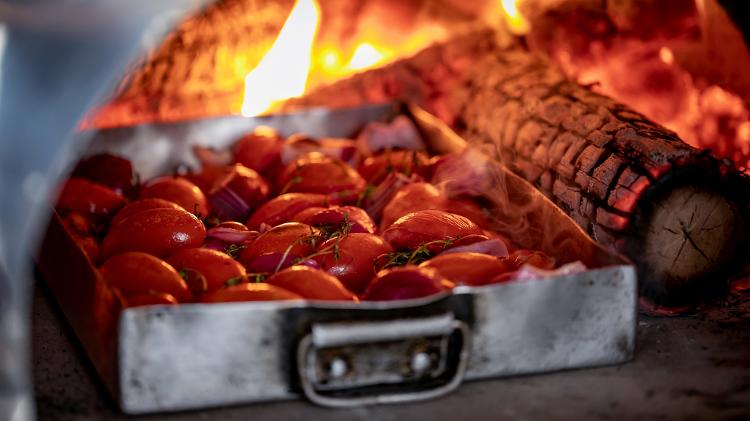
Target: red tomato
x=375 y=168
x=411 y=198
x=292 y=238
x=429 y=228
x=306 y=213
x=160 y=232
x=532 y=257
x=150 y=299
x=352 y=258
x=142 y=205
x=406 y=282
x=215 y=266
x=336 y=219
x=177 y=190
x=315 y=173
x=420 y=196
x=311 y=283
x=237 y=191
x=89 y=198
x=107 y=169
x=136 y=273
x=250 y=292
x=259 y=150
x=284 y=207
x=467 y=268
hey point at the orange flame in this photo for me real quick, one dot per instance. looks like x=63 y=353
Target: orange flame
x=283 y=72
x=516 y=22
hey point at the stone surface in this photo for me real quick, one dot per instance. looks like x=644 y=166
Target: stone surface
x=695 y=367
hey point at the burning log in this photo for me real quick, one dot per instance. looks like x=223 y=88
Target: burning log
x=679 y=213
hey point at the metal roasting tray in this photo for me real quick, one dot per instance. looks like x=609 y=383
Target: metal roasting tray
x=169 y=358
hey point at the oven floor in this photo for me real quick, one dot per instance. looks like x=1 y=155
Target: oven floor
x=687 y=367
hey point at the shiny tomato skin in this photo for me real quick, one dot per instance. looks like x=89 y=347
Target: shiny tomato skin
x=374 y=169
x=216 y=267
x=320 y=174
x=160 y=232
x=351 y=258
x=150 y=299
x=467 y=268
x=136 y=273
x=236 y=192
x=284 y=207
x=411 y=198
x=250 y=292
x=340 y=218
x=428 y=226
x=178 y=190
x=313 y=284
x=406 y=282
x=259 y=150
x=140 y=206
x=294 y=238
x=89 y=198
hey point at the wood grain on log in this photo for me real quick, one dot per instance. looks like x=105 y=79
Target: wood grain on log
x=679 y=213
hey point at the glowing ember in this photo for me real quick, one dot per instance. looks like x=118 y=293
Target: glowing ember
x=282 y=73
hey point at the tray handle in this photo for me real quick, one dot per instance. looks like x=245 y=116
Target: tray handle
x=363 y=363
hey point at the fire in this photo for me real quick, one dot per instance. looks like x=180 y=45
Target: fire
x=283 y=72
x=365 y=56
x=513 y=17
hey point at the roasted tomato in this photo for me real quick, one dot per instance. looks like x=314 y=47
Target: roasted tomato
x=237 y=191
x=140 y=206
x=177 y=190
x=432 y=229
x=411 y=198
x=532 y=257
x=420 y=196
x=298 y=145
x=292 y=239
x=406 y=282
x=375 y=168
x=89 y=198
x=216 y=267
x=136 y=273
x=107 y=169
x=150 y=299
x=467 y=268
x=351 y=258
x=316 y=173
x=338 y=219
x=313 y=284
x=250 y=292
x=160 y=232
x=284 y=207
x=259 y=150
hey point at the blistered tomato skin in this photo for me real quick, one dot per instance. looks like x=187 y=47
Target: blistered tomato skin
x=89 y=198
x=179 y=191
x=405 y=283
x=140 y=206
x=250 y=292
x=429 y=228
x=312 y=284
x=284 y=207
x=160 y=232
x=468 y=268
x=136 y=273
x=216 y=267
x=351 y=258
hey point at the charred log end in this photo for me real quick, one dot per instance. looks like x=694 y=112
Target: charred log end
x=689 y=238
